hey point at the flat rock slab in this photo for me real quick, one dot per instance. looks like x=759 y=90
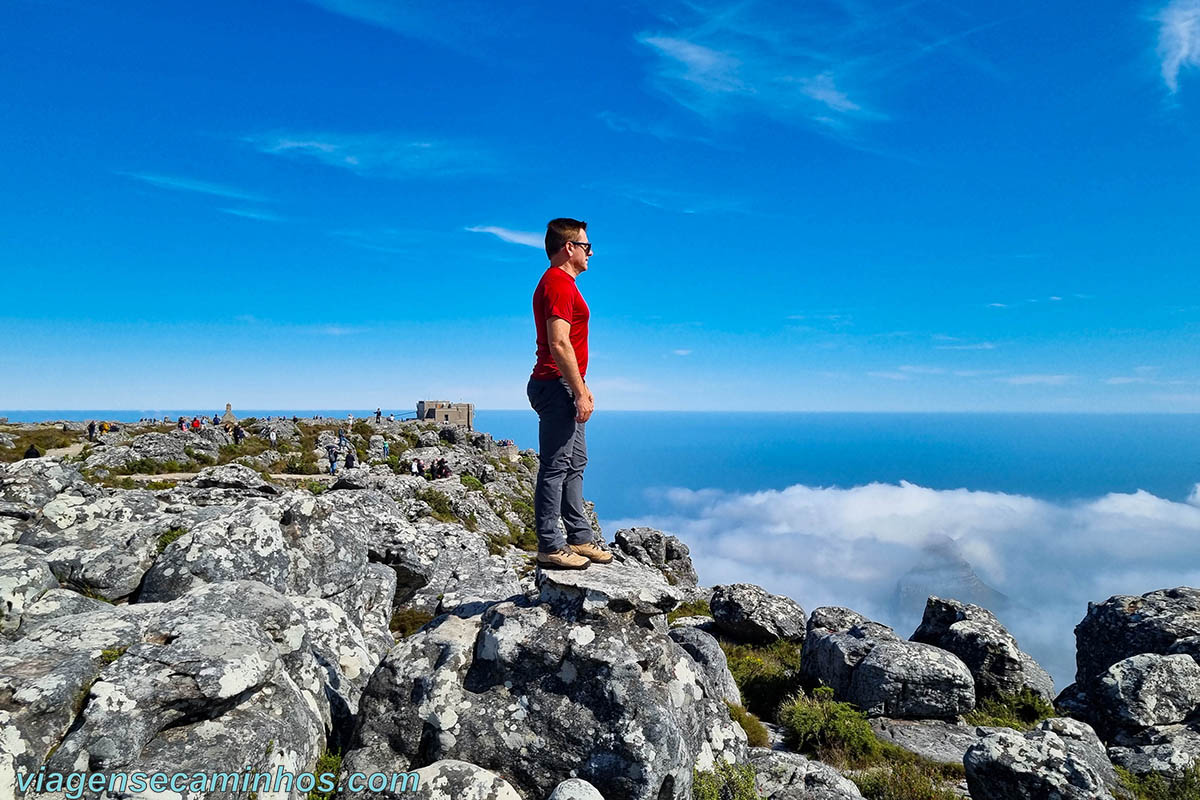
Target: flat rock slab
x=934 y=739
x=627 y=586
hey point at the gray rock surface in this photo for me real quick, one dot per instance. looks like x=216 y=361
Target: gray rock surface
x=710 y=658
x=627 y=586
x=575 y=789
x=990 y=652
x=450 y=779
x=659 y=550
x=791 y=776
x=24 y=577
x=1165 y=749
x=1037 y=766
x=933 y=739
x=524 y=691
x=1146 y=690
x=750 y=613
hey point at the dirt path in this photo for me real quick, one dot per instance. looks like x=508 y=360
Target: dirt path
x=70 y=451
x=281 y=477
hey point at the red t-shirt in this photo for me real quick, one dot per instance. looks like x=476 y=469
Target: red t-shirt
x=558 y=296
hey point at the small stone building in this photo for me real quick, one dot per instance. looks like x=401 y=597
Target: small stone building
x=447 y=412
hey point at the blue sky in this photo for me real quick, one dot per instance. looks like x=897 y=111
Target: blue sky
x=822 y=206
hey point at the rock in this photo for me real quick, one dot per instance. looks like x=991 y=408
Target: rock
x=749 y=613
x=24 y=577
x=865 y=663
x=911 y=680
x=933 y=739
x=1083 y=743
x=53 y=604
x=656 y=549
x=1008 y=766
x=234 y=476
x=710 y=658
x=1125 y=626
x=263 y=461
x=450 y=779
x=31 y=484
x=943 y=571
x=521 y=690
x=1165 y=750
x=575 y=789
x=791 y=776
x=161 y=448
x=627 y=586
x=990 y=652
x=1146 y=690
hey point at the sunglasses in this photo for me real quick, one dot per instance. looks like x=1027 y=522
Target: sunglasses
x=587 y=247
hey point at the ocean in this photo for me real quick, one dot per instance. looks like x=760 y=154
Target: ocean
x=1032 y=515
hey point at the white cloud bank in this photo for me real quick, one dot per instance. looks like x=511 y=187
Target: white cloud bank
x=527 y=238
x=852 y=547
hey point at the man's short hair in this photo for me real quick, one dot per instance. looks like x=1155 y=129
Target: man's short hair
x=560 y=231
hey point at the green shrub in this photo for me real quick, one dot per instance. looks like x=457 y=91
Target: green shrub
x=200 y=458
x=316 y=487
x=407 y=621
x=696 y=608
x=1022 y=711
x=110 y=654
x=155 y=486
x=832 y=731
x=902 y=782
x=298 y=464
x=471 y=482
x=726 y=782
x=1159 y=787
x=766 y=674
x=331 y=762
x=756 y=732
x=165 y=539
x=440 y=503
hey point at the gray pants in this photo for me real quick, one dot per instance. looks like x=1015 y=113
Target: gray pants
x=562 y=450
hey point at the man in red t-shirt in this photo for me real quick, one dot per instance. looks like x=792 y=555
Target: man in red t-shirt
x=562 y=401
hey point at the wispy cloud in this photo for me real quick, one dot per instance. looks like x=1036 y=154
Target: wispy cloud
x=1178 y=39
x=825 y=64
x=682 y=352
x=176 y=183
x=919 y=370
x=455 y=25
x=977 y=346
x=680 y=202
x=891 y=376
x=378 y=154
x=250 y=213
x=526 y=238
x=332 y=330
x=1043 y=380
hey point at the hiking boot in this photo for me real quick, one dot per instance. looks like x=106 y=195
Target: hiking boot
x=562 y=559
x=591 y=552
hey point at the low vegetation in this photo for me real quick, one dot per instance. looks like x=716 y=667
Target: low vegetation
x=756 y=732
x=694 y=608
x=329 y=761
x=171 y=535
x=407 y=621
x=1021 y=711
x=439 y=504
x=839 y=734
x=1159 y=787
x=766 y=674
x=471 y=482
x=110 y=654
x=42 y=438
x=725 y=782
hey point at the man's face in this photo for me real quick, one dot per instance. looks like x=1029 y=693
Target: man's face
x=578 y=255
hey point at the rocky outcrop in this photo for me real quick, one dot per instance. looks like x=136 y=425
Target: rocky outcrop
x=1006 y=765
x=749 y=613
x=659 y=550
x=791 y=776
x=710 y=658
x=866 y=664
x=450 y=779
x=997 y=664
x=580 y=682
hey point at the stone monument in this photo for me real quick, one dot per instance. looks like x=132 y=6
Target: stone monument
x=228 y=415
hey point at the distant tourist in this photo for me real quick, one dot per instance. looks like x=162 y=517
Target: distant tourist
x=105 y=427
x=182 y=424
x=378 y=415
x=92 y=431
x=331 y=453
x=274 y=437
x=386 y=449
x=349 y=420
x=195 y=423
x=216 y=420
x=351 y=459
x=415 y=468
x=562 y=400
x=341 y=437
x=238 y=434
x=32 y=452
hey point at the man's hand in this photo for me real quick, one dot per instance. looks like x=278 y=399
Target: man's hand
x=584 y=405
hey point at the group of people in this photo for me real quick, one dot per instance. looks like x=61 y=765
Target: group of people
x=438 y=469
x=332 y=453
x=92 y=428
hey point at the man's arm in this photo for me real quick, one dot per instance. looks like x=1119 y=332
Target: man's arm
x=558 y=334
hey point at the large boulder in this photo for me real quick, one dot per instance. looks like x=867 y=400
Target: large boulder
x=1146 y=690
x=750 y=613
x=627 y=586
x=1039 y=765
x=1169 y=750
x=32 y=483
x=866 y=664
x=656 y=549
x=450 y=779
x=24 y=577
x=710 y=658
x=791 y=776
x=972 y=633
x=524 y=690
